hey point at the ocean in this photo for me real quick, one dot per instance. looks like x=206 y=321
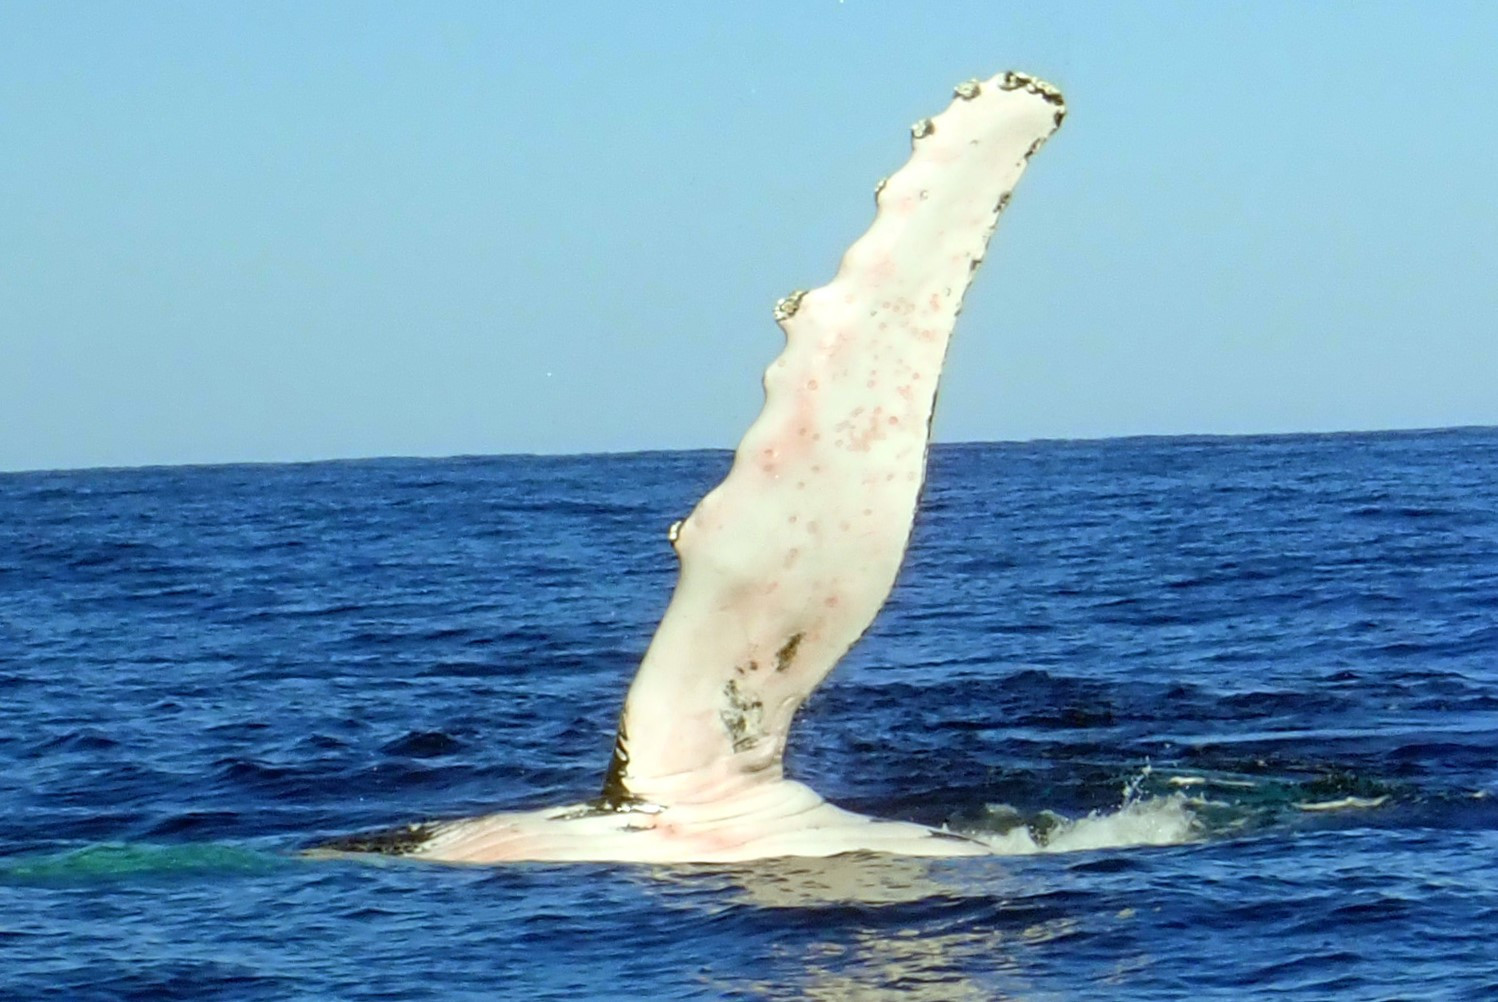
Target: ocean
x=1229 y=706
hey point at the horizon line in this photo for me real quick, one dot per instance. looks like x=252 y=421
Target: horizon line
x=590 y=453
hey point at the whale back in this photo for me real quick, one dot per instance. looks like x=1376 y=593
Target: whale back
x=786 y=562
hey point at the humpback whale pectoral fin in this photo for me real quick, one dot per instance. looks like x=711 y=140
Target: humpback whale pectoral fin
x=785 y=563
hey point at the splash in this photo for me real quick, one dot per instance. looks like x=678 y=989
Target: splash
x=1138 y=821
x=1175 y=807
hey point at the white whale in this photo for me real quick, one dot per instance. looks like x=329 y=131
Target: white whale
x=786 y=562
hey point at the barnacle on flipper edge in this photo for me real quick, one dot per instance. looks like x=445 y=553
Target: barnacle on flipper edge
x=1014 y=80
x=786 y=307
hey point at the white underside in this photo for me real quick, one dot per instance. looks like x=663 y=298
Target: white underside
x=785 y=563
x=775 y=819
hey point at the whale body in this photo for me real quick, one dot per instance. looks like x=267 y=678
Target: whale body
x=784 y=564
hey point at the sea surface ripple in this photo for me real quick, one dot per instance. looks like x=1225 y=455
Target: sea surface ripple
x=1229 y=706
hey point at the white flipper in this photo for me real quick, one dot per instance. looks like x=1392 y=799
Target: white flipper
x=785 y=563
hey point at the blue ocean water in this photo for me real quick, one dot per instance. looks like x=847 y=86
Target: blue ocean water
x=1276 y=657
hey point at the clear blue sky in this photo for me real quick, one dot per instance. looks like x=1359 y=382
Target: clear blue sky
x=263 y=230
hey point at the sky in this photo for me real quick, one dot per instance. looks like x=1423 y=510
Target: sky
x=279 y=231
